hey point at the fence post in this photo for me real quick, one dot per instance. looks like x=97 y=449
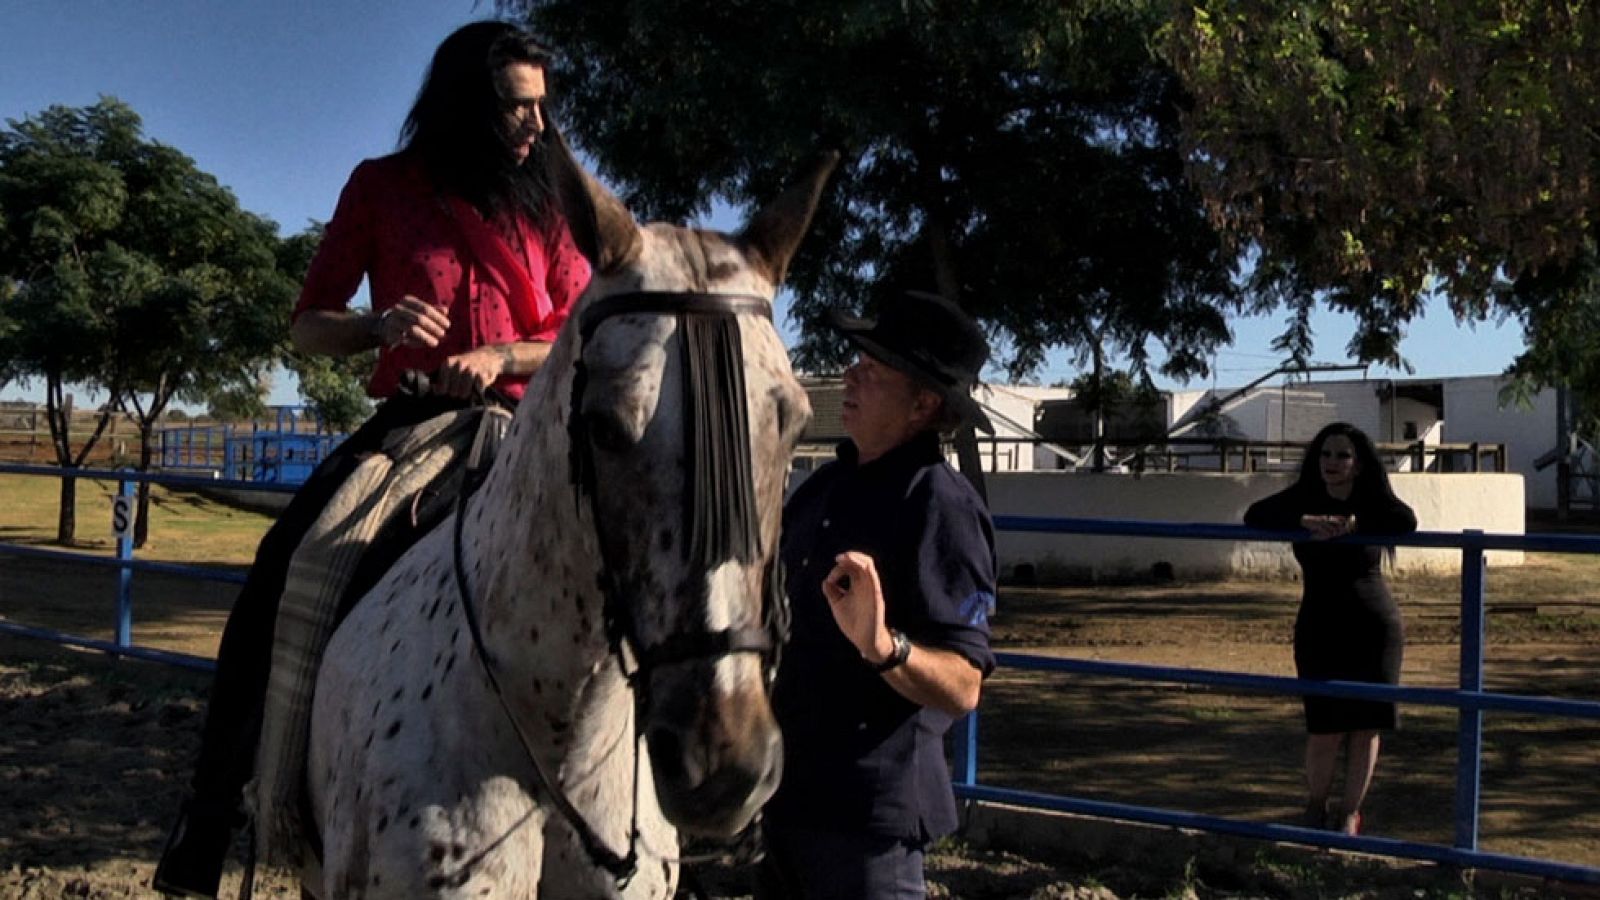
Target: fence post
x=965 y=737
x=1469 y=739
x=125 y=489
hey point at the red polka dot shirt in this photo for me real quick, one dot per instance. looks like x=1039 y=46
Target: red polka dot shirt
x=392 y=228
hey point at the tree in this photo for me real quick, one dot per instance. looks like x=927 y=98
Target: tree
x=1377 y=154
x=136 y=273
x=1115 y=398
x=1020 y=158
x=8 y=330
x=333 y=386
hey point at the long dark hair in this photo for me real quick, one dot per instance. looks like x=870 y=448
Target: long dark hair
x=1372 y=480
x=454 y=125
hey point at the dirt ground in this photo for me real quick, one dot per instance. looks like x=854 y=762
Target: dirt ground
x=94 y=751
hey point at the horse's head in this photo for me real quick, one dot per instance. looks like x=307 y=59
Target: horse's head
x=685 y=415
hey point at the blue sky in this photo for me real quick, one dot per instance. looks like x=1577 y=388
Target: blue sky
x=280 y=100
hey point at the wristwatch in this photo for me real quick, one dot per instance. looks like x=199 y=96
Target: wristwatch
x=376 y=323
x=902 y=651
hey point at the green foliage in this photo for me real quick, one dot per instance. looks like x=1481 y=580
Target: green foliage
x=335 y=387
x=128 y=269
x=1378 y=154
x=1022 y=157
x=1560 y=312
x=133 y=271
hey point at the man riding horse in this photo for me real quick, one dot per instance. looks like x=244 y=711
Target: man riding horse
x=472 y=272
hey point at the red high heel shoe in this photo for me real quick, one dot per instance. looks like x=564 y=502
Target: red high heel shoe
x=1352 y=823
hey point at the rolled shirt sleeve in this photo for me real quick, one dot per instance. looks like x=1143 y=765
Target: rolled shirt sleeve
x=954 y=592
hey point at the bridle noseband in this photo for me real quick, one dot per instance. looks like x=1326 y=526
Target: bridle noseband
x=720 y=519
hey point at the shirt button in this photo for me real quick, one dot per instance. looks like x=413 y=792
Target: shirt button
x=861 y=726
x=826 y=522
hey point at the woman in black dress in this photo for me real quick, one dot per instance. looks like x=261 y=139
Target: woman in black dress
x=1348 y=628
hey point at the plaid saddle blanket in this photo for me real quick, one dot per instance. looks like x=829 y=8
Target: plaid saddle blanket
x=394 y=497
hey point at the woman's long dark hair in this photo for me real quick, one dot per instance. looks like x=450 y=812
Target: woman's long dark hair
x=1372 y=480
x=454 y=125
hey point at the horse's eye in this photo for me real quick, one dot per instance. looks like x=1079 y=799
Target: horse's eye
x=794 y=413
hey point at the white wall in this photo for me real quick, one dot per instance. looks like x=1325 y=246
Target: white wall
x=1472 y=413
x=1490 y=502
x=1179 y=403
x=1403 y=410
x=1297 y=412
x=1017 y=404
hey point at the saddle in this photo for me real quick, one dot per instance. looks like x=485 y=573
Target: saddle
x=393 y=498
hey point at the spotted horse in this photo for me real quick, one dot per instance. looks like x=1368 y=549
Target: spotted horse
x=572 y=670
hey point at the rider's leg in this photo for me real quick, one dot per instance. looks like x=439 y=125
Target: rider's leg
x=192 y=863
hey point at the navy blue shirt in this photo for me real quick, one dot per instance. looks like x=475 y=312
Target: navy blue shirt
x=857 y=755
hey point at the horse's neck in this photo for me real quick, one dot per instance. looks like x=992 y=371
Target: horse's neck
x=529 y=548
x=530 y=553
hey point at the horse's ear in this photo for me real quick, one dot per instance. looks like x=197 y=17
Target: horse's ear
x=602 y=228
x=771 y=238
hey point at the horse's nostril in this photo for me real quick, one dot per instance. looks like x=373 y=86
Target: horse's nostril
x=667 y=755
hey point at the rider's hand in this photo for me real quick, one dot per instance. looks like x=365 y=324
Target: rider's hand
x=412 y=323
x=469 y=373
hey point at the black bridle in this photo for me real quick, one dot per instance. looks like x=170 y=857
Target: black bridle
x=720 y=518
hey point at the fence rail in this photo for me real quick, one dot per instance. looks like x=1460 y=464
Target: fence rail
x=1468 y=698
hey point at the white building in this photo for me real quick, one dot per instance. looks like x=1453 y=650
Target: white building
x=1424 y=425
x=1435 y=412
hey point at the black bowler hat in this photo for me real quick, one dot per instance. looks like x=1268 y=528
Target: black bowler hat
x=929 y=338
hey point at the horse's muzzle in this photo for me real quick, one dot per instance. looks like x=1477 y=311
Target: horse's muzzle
x=717 y=755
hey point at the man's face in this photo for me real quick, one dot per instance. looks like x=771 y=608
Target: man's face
x=521 y=89
x=882 y=406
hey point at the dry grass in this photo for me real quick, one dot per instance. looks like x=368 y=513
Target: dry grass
x=185 y=527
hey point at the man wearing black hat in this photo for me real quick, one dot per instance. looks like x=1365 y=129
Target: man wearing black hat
x=890 y=560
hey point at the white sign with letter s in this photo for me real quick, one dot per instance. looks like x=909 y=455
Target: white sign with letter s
x=122 y=516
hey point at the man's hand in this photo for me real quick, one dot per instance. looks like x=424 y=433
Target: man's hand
x=856 y=597
x=412 y=323
x=461 y=376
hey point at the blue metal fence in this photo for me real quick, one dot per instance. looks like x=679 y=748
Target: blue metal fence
x=125 y=564
x=282 y=452
x=1468 y=698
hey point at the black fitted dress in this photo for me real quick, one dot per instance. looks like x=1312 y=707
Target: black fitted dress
x=1349 y=627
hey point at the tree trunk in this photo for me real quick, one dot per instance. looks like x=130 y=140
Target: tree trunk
x=141 y=519
x=146 y=419
x=67 y=521
x=1099 y=458
x=968 y=460
x=58 y=409
x=936 y=229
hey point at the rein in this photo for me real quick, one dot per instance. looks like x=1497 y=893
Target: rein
x=721 y=520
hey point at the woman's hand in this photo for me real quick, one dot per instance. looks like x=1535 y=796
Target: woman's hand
x=856 y=597
x=1324 y=528
x=412 y=322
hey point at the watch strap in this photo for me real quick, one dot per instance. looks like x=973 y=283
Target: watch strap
x=902 y=652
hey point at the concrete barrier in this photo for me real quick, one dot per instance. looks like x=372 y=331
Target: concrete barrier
x=1491 y=502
